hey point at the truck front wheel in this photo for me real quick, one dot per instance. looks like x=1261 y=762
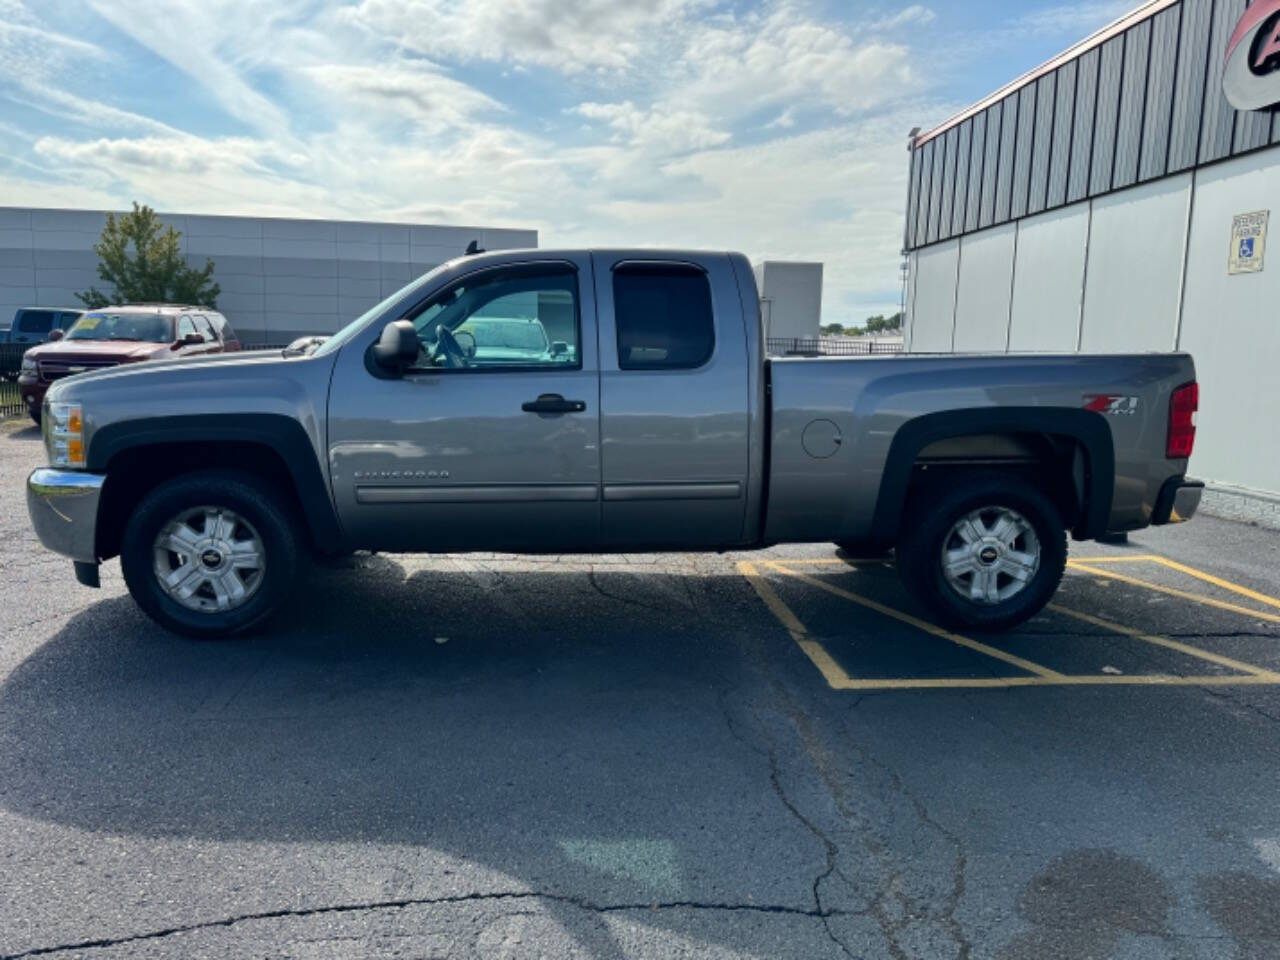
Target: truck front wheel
x=985 y=552
x=210 y=554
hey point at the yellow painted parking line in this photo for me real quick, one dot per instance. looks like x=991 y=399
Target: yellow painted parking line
x=1127 y=558
x=1172 y=592
x=836 y=678
x=919 y=624
x=831 y=561
x=1218 y=581
x=1160 y=641
x=1073 y=680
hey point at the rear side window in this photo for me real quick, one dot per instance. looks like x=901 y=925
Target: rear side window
x=664 y=318
x=221 y=327
x=35 y=321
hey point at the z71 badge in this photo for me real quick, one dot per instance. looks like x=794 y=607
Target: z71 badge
x=1112 y=405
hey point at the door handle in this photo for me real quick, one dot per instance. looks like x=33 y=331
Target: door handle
x=553 y=403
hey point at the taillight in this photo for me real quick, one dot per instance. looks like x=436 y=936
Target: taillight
x=1182 y=421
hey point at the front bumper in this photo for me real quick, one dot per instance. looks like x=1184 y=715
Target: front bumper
x=1178 y=501
x=64 y=511
x=32 y=390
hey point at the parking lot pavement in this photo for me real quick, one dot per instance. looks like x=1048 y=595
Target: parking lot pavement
x=764 y=755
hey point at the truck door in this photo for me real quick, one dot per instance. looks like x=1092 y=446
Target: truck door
x=491 y=441
x=673 y=401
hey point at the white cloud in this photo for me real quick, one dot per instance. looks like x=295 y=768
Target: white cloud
x=741 y=65
x=914 y=14
x=662 y=130
x=567 y=36
x=406 y=91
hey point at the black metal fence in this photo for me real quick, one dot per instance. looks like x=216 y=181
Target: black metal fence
x=827 y=347
x=11 y=402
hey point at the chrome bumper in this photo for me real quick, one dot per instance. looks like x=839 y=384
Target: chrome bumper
x=64 y=511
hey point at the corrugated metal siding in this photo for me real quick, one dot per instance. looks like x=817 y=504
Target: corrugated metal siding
x=977 y=150
x=948 y=182
x=1107 y=115
x=1082 y=132
x=926 y=186
x=913 y=201
x=1161 y=68
x=1023 y=157
x=1133 y=95
x=1142 y=105
x=935 y=191
x=1219 y=116
x=962 y=177
x=990 y=166
x=1008 y=138
x=1063 y=119
x=1041 y=143
x=1188 y=85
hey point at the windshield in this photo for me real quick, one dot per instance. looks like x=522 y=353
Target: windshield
x=148 y=327
x=506 y=334
x=352 y=328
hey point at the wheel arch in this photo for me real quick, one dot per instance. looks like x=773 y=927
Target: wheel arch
x=1092 y=469
x=138 y=455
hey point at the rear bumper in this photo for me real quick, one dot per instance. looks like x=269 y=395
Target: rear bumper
x=1178 y=501
x=63 y=505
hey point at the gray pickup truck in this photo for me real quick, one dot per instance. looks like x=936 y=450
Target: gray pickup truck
x=595 y=401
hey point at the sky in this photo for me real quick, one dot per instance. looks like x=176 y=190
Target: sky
x=777 y=128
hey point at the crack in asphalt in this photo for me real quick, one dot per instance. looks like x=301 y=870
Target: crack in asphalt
x=400 y=904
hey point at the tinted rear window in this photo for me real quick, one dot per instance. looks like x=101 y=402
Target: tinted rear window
x=664 y=317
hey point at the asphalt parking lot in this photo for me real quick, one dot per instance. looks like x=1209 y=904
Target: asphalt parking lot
x=755 y=755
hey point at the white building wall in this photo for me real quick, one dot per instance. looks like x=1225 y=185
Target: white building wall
x=791 y=295
x=1132 y=283
x=1231 y=326
x=933 y=307
x=1108 y=276
x=1049 y=281
x=279 y=278
x=983 y=291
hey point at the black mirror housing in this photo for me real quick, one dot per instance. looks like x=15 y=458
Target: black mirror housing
x=56 y=334
x=397 y=348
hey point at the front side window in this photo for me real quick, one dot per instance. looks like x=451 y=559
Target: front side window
x=204 y=328
x=35 y=321
x=103 y=325
x=663 y=316
x=511 y=318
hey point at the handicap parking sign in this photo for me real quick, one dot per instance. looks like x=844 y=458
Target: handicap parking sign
x=1248 y=242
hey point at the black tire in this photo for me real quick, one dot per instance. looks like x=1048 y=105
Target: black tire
x=244 y=494
x=35 y=415
x=927 y=527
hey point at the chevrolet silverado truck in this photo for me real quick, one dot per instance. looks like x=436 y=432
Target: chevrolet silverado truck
x=645 y=417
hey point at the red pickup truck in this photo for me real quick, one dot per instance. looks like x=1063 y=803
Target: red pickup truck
x=125 y=334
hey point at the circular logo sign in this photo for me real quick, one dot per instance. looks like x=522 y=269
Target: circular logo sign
x=1251 y=80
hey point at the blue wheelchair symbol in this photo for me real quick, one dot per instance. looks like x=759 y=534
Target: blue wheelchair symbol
x=1246 y=248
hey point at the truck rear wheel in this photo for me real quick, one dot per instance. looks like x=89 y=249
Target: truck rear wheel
x=986 y=552
x=210 y=554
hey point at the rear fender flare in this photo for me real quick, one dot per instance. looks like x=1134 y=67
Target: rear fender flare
x=1089 y=429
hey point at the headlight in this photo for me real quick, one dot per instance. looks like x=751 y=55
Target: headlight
x=28 y=363
x=64 y=434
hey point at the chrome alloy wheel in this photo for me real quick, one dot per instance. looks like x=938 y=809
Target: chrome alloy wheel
x=209 y=559
x=990 y=555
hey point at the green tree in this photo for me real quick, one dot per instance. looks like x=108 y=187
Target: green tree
x=141 y=259
x=831 y=329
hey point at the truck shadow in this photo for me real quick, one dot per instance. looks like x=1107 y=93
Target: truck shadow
x=540 y=729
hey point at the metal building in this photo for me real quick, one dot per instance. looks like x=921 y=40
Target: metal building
x=280 y=278
x=1117 y=199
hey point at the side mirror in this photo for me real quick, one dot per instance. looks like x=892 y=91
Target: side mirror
x=559 y=348
x=56 y=334
x=192 y=339
x=397 y=348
